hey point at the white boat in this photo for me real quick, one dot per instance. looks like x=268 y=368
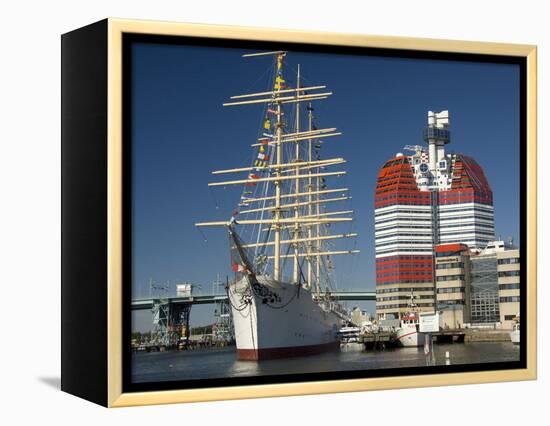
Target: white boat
x=407 y=334
x=349 y=334
x=283 y=227
x=515 y=334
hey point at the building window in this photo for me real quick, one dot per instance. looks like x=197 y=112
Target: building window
x=452 y=265
x=401 y=281
x=404 y=290
x=508 y=286
x=451 y=290
x=508 y=274
x=509 y=299
x=451 y=278
x=389 y=298
x=448 y=253
x=508 y=260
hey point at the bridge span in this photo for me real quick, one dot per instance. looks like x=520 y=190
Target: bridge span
x=142 y=304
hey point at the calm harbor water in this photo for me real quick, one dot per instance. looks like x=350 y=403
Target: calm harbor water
x=219 y=363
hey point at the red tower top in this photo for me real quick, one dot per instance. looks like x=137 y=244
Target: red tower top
x=469 y=184
x=396 y=184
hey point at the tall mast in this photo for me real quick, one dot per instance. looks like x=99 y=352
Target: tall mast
x=296 y=275
x=318 y=245
x=273 y=169
x=310 y=196
x=278 y=162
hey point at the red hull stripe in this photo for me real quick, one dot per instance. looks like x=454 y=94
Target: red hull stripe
x=287 y=352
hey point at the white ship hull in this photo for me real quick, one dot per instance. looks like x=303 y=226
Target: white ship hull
x=275 y=320
x=408 y=336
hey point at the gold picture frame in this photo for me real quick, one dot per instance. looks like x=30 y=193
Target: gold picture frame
x=112 y=386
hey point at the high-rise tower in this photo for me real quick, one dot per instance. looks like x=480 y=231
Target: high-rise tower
x=422 y=200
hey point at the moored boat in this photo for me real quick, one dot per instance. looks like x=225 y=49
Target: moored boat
x=515 y=333
x=349 y=334
x=407 y=334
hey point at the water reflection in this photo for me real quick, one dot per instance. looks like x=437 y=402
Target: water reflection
x=221 y=363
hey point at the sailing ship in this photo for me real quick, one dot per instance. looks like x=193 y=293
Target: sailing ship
x=280 y=234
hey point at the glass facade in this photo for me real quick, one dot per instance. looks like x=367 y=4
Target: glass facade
x=436 y=133
x=484 y=290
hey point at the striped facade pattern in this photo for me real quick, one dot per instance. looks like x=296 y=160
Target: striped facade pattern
x=409 y=222
x=465 y=212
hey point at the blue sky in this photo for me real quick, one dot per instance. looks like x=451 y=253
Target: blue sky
x=181 y=133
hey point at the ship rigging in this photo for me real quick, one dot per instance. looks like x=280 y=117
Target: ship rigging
x=283 y=205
